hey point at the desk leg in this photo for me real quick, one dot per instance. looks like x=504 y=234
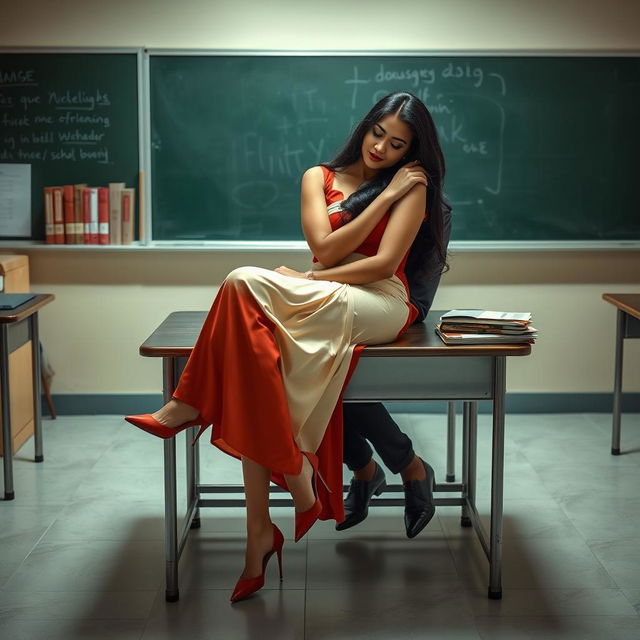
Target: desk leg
x=7 y=450
x=193 y=459
x=195 y=481
x=617 y=383
x=170 y=498
x=473 y=451
x=192 y=473
x=497 y=479
x=465 y=520
x=451 y=441
x=37 y=386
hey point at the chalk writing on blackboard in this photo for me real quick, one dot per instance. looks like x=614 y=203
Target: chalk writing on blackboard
x=464 y=99
x=65 y=124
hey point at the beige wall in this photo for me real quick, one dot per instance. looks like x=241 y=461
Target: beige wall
x=108 y=302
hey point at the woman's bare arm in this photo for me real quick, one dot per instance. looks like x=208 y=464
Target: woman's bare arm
x=330 y=247
x=401 y=230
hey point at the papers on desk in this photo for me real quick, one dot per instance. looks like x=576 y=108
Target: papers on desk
x=477 y=326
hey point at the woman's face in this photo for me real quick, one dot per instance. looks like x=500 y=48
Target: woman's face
x=386 y=143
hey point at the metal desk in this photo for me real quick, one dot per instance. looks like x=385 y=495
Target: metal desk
x=416 y=367
x=17 y=327
x=627 y=326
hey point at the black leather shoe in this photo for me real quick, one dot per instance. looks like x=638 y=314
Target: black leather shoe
x=356 y=504
x=418 y=502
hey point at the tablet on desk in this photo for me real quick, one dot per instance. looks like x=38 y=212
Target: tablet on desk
x=10 y=301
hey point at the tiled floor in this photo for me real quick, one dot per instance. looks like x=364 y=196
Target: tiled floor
x=81 y=547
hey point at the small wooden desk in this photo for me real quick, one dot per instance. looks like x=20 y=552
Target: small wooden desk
x=627 y=326
x=17 y=327
x=416 y=367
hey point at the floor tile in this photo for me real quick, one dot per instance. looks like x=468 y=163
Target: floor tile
x=551 y=602
x=633 y=596
x=132 y=449
x=110 y=483
x=586 y=443
x=269 y=614
x=86 y=431
x=67 y=629
x=521 y=519
x=559 y=627
x=438 y=612
x=114 y=518
x=602 y=480
x=21 y=528
x=92 y=566
x=536 y=563
x=621 y=558
x=44 y=484
x=379 y=562
x=600 y=516
x=76 y=605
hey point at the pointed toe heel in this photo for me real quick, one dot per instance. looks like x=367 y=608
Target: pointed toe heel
x=148 y=423
x=247 y=586
x=203 y=428
x=306 y=519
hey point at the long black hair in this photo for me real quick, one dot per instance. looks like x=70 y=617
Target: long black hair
x=428 y=252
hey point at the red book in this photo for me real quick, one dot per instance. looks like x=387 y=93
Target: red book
x=103 y=215
x=49 y=232
x=79 y=220
x=69 y=221
x=58 y=215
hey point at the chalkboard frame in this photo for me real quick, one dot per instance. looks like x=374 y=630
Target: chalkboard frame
x=133 y=51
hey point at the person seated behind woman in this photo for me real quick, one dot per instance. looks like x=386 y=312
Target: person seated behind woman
x=370 y=422
x=292 y=338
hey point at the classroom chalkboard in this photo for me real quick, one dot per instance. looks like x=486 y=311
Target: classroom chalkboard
x=537 y=148
x=73 y=117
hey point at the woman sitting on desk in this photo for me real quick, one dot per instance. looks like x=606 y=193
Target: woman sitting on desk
x=277 y=347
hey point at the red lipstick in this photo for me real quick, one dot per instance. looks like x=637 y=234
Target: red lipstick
x=374 y=157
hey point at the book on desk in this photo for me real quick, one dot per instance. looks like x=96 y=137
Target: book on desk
x=478 y=326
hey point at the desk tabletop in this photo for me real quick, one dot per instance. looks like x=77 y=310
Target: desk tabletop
x=26 y=309
x=628 y=302
x=177 y=334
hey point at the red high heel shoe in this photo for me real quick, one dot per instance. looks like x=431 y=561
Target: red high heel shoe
x=148 y=423
x=306 y=519
x=246 y=586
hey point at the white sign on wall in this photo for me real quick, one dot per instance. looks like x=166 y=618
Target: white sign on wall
x=15 y=200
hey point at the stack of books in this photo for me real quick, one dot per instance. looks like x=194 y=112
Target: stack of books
x=79 y=214
x=476 y=326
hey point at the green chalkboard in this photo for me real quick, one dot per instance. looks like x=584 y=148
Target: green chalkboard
x=73 y=117
x=537 y=148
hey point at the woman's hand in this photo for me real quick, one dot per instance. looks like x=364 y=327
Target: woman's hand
x=405 y=179
x=292 y=273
